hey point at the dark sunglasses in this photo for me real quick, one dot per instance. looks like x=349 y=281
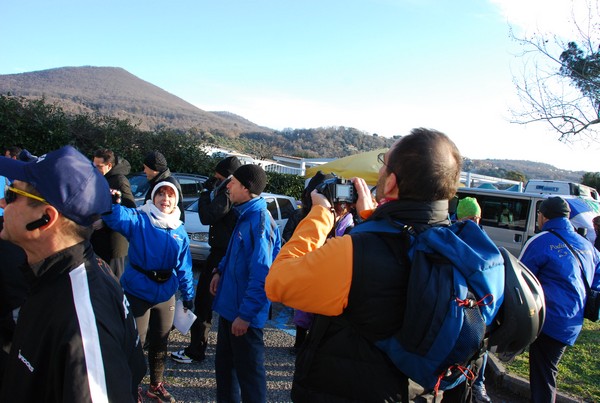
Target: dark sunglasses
x=11 y=193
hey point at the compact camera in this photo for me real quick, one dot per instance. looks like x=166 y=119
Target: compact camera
x=338 y=190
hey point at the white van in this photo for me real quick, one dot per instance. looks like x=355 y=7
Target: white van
x=510 y=218
x=560 y=188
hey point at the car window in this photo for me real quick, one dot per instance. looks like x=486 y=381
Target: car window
x=139 y=185
x=190 y=187
x=503 y=212
x=286 y=207
x=192 y=207
x=272 y=207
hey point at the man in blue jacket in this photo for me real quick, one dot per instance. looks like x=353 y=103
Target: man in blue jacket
x=239 y=289
x=558 y=269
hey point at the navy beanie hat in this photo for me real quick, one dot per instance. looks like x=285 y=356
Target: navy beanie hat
x=156 y=161
x=67 y=180
x=554 y=207
x=228 y=166
x=252 y=177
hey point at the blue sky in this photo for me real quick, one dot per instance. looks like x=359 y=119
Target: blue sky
x=382 y=66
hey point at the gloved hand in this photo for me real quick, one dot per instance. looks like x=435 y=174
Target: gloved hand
x=210 y=184
x=188 y=305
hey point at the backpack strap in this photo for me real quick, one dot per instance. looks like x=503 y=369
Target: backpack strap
x=574 y=252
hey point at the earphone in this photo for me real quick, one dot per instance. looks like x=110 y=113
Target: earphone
x=38 y=223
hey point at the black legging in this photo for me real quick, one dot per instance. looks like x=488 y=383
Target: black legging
x=156 y=322
x=203 y=308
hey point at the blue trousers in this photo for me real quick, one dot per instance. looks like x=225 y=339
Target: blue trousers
x=544 y=355
x=240 y=365
x=480 y=380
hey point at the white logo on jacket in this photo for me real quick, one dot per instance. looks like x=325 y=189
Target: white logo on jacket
x=24 y=361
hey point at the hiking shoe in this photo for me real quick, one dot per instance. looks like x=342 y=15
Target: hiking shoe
x=159 y=393
x=480 y=395
x=181 y=357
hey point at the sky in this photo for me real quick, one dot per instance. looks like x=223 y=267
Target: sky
x=381 y=66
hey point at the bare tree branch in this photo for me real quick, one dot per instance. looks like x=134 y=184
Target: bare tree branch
x=560 y=80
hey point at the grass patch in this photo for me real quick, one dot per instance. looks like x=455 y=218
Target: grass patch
x=579 y=368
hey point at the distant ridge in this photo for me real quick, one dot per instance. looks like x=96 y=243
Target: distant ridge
x=115 y=92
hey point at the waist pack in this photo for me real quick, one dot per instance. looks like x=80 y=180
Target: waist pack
x=455 y=289
x=160 y=276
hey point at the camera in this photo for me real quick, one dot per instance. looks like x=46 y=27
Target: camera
x=338 y=190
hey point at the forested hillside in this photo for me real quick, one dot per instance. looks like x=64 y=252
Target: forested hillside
x=115 y=98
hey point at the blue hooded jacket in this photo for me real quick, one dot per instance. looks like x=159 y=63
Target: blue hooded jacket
x=254 y=243
x=558 y=271
x=153 y=248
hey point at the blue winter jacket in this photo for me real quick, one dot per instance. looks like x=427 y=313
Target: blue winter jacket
x=152 y=248
x=558 y=271
x=253 y=245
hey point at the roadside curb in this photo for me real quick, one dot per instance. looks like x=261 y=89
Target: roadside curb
x=496 y=371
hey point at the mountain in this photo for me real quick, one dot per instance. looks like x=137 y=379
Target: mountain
x=115 y=92
x=532 y=170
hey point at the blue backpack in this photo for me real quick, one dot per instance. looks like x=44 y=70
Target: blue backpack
x=455 y=289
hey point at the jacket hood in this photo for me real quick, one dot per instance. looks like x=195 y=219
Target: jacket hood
x=418 y=214
x=121 y=167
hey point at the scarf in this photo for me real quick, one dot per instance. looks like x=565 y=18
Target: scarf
x=160 y=219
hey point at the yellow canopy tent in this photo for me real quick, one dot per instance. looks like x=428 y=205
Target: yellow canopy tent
x=363 y=165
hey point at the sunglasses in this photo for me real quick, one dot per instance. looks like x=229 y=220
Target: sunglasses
x=10 y=195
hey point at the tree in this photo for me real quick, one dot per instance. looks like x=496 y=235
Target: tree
x=516 y=176
x=560 y=81
x=591 y=179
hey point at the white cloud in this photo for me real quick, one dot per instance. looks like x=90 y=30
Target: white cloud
x=547 y=16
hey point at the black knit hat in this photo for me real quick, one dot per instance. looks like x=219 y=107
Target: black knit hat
x=252 y=177
x=227 y=166
x=554 y=207
x=156 y=161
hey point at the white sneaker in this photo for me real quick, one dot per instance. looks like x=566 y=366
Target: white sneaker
x=179 y=356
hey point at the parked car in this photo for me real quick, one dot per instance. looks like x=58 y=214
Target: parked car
x=191 y=186
x=281 y=208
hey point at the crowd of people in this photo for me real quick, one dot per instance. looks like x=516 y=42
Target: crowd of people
x=90 y=280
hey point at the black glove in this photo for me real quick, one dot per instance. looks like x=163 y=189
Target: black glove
x=189 y=305
x=210 y=184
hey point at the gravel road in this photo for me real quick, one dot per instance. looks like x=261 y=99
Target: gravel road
x=196 y=382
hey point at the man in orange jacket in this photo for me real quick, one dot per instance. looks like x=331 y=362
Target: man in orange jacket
x=357 y=283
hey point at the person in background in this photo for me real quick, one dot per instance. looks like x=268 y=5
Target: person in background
x=469 y=209
x=559 y=271
x=108 y=244
x=12 y=152
x=238 y=285
x=75 y=338
x=216 y=210
x=596 y=224
x=157 y=170
x=159 y=264
x=344 y=223
x=356 y=284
